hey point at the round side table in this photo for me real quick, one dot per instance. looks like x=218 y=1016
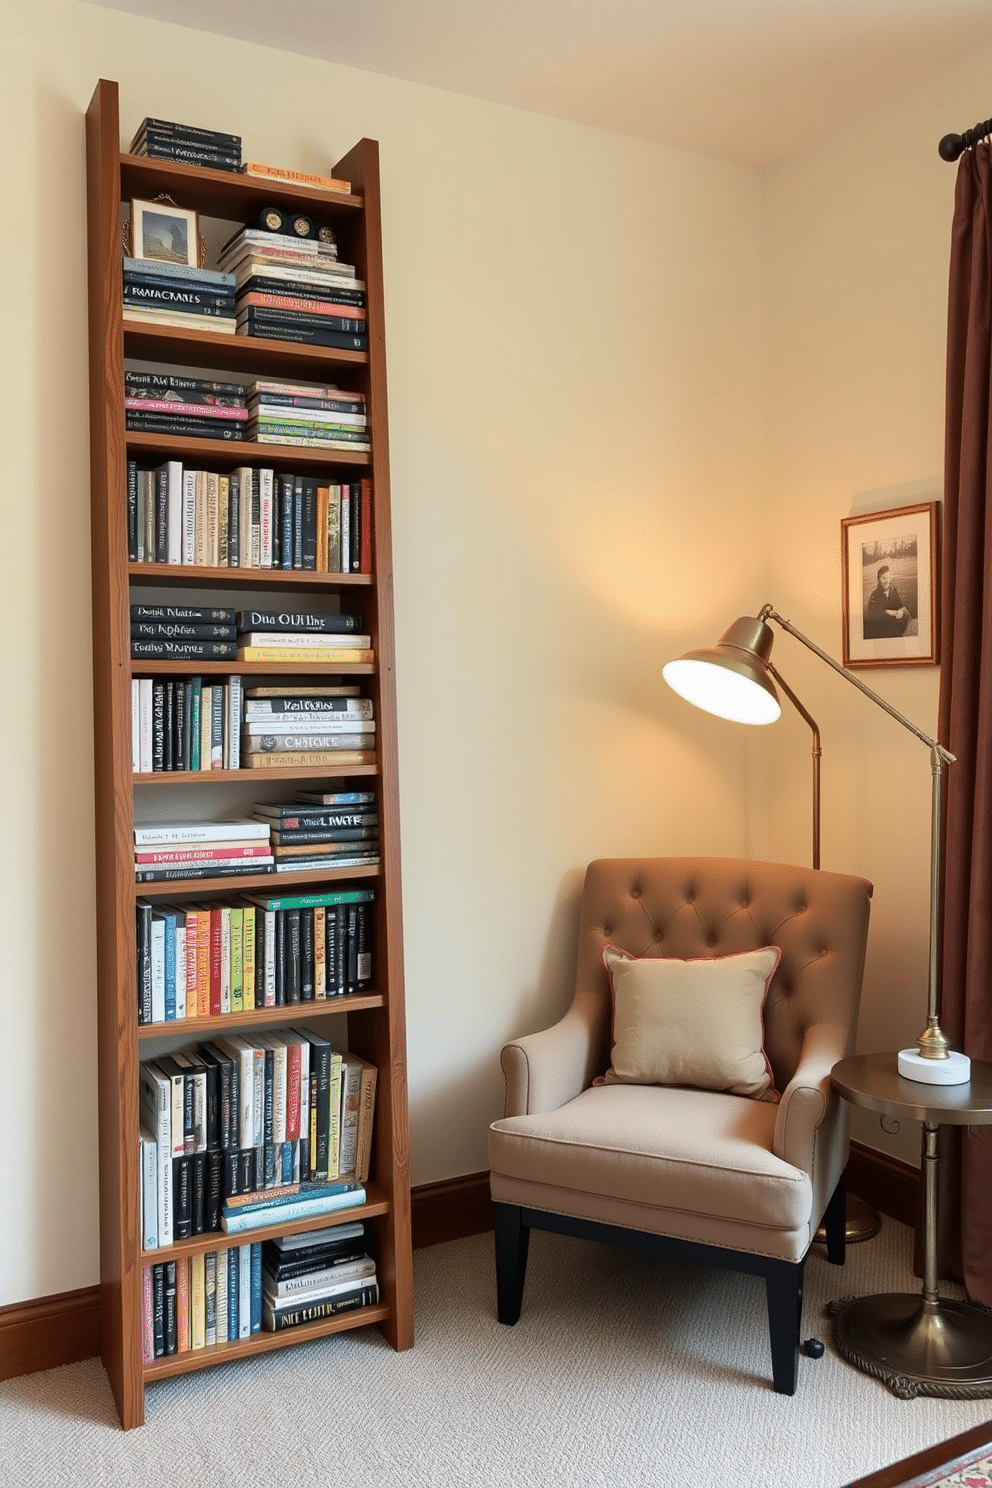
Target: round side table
x=918 y=1344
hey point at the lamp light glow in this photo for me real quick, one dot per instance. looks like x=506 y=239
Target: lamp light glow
x=711 y=685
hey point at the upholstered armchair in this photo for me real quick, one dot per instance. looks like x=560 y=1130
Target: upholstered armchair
x=739 y=1180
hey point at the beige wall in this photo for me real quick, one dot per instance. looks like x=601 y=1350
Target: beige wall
x=858 y=236
x=575 y=374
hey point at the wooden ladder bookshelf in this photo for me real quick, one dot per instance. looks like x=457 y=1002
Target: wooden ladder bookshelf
x=370 y=1024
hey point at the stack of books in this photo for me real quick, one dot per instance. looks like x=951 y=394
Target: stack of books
x=341 y=834
x=295 y=289
x=317 y=417
x=315 y=1275
x=163 y=139
x=300 y=637
x=159 y=293
x=177 y=850
x=182 y=633
x=201 y=1300
x=191 y=407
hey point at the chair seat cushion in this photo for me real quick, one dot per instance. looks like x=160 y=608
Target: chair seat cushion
x=695 y=1164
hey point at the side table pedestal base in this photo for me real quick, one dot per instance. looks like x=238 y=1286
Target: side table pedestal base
x=917 y=1347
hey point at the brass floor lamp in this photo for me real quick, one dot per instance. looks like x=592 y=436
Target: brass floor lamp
x=736 y=679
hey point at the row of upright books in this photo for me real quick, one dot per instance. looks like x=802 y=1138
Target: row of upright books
x=219 y=1296
x=248 y=517
x=200 y=723
x=199 y=960
x=250 y=1130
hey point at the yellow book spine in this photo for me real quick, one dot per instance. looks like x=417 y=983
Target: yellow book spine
x=248 y=968
x=320 y=955
x=237 y=959
x=309 y=654
x=297 y=758
x=203 y=963
x=197 y=1302
x=334 y=1123
x=182 y=1305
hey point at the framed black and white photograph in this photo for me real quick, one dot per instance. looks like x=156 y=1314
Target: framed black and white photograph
x=890 y=581
x=164 y=233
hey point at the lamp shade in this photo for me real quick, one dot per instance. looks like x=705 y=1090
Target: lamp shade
x=731 y=678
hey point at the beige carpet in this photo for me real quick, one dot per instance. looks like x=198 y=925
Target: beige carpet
x=622 y=1371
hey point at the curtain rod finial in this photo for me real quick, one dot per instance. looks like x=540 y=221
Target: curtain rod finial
x=951 y=147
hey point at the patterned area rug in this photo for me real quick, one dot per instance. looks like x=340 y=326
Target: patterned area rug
x=965 y=1461
x=973 y=1470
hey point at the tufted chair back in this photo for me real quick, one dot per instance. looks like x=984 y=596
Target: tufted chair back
x=691 y=907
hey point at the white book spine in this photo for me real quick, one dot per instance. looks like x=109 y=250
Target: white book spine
x=235 y=698
x=174 y=511
x=156 y=1109
x=270 y=957
x=145 y=696
x=162 y=834
x=149 y=1190
x=135 y=725
x=158 y=971
x=244 y=1291
x=189 y=517
x=222 y=1296
x=278 y=1092
x=180 y=970
x=266 y=477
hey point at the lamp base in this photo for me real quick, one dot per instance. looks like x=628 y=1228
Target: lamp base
x=954 y=1070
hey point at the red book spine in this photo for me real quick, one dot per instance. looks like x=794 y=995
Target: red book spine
x=215 y=949
x=365 y=562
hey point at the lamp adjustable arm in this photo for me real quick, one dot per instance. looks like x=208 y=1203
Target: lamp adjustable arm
x=944 y=755
x=932 y=1043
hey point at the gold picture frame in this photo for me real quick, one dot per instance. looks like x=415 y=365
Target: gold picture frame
x=162 y=232
x=890 y=577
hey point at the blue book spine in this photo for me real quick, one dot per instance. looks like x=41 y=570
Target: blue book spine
x=170 y=968
x=244 y=1291
x=287 y=1162
x=256 y=1287
x=232 y=1292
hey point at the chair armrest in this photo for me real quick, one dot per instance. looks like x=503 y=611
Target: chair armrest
x=809 y=1099
x=544 y=1070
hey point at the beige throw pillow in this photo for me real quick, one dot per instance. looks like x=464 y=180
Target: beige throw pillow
x=691 y=1022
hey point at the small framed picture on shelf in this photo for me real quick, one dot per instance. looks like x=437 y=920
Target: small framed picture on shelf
x=164 y=233
x=890 y=581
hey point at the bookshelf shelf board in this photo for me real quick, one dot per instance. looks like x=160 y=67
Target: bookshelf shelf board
x=376 y=1204
x=252 y=668
x=260 y=1343
x=194 y=576
x=354 y=1002
x=241 y=451
x=211 y=777
x=176 y=344
x=217 y=193
x=237 y=883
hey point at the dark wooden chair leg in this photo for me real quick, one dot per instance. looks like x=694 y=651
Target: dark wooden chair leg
x=835 y=1224
x=784 y=1289
x=512 y=1239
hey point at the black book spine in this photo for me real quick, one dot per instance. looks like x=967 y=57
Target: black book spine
x=307 y=991
x=199 y=1199
x=293 y=980
x=197 y=614
x=182 y=1197
x=331 y=949
x=351 y=971
x=355 y=527
x=246 y=1170
x=363 y=947
x=280 y=957
x=340 y=951
x=169 y=724
x=183 y=424
x=143 y=938
x=275 y=331
x=286 y=519
x=158 y=725
x=298 y=522
x=316 y=320
x=158 y=1308
x=171 y=1339
x=214 y=1196
x=132 y=511
x=179 y=757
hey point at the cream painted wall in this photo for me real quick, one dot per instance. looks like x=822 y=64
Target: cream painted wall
x=856 y=272
x=574 y=330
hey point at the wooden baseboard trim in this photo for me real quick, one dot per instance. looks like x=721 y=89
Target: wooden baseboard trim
x=451 y=1209
x=49 y=1331
x=888 y=1184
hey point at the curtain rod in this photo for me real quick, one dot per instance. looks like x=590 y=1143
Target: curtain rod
x=954 y=145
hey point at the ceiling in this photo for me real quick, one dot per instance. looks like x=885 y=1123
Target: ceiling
x=747 y=80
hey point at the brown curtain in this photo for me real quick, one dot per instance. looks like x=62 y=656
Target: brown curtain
x=965 y=712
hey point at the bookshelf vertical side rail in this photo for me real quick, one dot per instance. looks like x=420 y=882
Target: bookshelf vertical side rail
x=383 y=1040
x=120 y=1255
